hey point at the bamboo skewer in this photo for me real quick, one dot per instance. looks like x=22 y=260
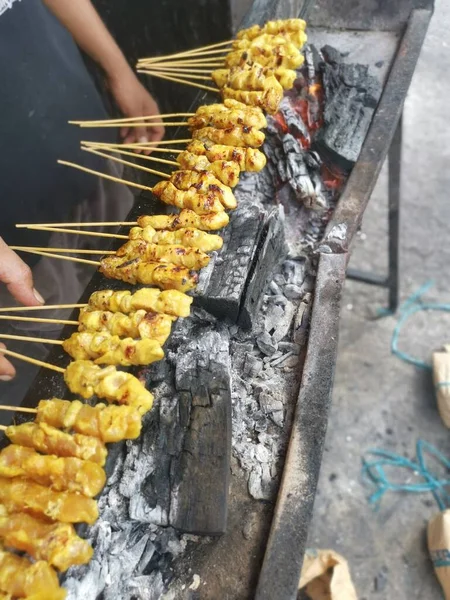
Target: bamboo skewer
x=105 y=175
x=37 y=320
x=63 y=230
x=3 y=428
x=18 y=408
x=62 y=250
x=33 y=361
x=51 y=255
x=187 y=69
x=93 y=224
x=143 y=123
x=178 y=80
x=140 y=156
x=127 y=163
x=127 y=120
x=184 y=62
x=138 y=145
x=45 y=307
x=185 y=55
x=26 y=338
x=198 y=50
x=115 y=147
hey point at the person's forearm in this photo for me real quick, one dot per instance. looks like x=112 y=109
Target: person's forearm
x=91 y=34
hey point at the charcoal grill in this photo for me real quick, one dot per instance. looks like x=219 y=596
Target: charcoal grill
x=373 y=30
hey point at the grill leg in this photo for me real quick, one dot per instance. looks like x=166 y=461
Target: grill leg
x=391 y=282
x=395 y=159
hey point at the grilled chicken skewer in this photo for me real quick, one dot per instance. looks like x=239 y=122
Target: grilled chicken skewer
x=186 y=218
x=18 y=494
x=59 y=473
x=19 y=578
x=191 y=258
x=56 y=543
x=190 y=237
x=171 y=302
x=49 y=440
x=137 y=324
x=107 y=423
x=106 y=349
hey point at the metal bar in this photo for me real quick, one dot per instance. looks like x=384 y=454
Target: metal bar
x=368 y=277
x=283 y=559
x=395 y=157
x=357 y=192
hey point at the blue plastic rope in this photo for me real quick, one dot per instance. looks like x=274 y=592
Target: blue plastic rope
x=374 y=472
x=413 y=305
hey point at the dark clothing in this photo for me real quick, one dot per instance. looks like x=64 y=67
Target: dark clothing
x=44 y=84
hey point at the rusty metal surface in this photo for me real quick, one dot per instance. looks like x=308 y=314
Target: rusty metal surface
x=280 y=572
x=352 y=204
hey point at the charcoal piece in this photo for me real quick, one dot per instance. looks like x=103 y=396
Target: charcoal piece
x=331 y=55
x=351 y=95
x=293 y=120
x=271 y=250
x=225 y=291
x=200 y=471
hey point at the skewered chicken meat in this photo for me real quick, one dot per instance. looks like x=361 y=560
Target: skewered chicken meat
x=138 y=324
x=279 y=27
x=23 y=495
x=48 y=440
x=19 y=578
x=190 y=237
x=136 y=270
x=228 y=114
x=267 y=40
x=204 y=183
x=107 y=423
x=58 y=473
x=226 y=171
x=284 y=55
x=56 y=543
x=200 y=203
x=186 y=218
x=252 y=77
x=86 y=379
x=236 y=136
x=269 y=99
x=248 y=159
x=191 y=258
x=171 y=302
x=290 y=29
x=106 y=349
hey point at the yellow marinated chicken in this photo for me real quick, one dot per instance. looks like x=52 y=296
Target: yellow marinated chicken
x=280 y=27
x=56 y=543
x=284 y=55
x=136 y=324
x=252 y=77
x=266 y=40
x=19 y=578
x=191 y=258
x=190 y=237
x=106 y=349
x=59 y=473
x=236 y=136
x=202 y=204
x=170 y=302
x=186 y=218
x=49 y=440
x=226 y=171
x=228 y=114
x=107 y=423
x=86 y=379
x=248 y=159
x=136 y=270
x=204 y=183
x=269 y=99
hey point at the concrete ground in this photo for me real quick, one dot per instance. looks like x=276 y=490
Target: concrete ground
x=379 y=401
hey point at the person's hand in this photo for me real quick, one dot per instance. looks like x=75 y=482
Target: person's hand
x=19 y=281
x=135 y=101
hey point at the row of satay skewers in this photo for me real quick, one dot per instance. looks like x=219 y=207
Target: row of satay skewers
x=53 y=468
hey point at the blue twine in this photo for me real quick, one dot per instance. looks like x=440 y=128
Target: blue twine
x=412 y=306
x=374 y=472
